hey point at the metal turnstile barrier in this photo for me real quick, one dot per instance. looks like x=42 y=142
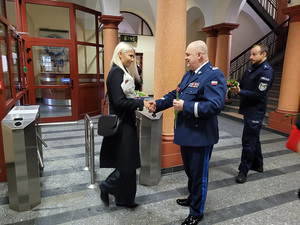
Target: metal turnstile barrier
x=89 y=149
x=23 y=156
x=150 y=141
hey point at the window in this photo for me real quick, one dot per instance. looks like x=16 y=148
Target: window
x=46 y=63
x=55 y=22
x=133 y=24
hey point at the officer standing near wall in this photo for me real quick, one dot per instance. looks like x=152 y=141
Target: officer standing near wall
x=253 y=90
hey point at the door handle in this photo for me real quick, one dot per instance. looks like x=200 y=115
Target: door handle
x=72 y=86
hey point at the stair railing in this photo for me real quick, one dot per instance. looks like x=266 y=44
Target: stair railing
x=270 y=6
x=276 y=42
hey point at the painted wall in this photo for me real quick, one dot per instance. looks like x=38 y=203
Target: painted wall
x=146 y=45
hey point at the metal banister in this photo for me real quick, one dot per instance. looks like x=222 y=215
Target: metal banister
x=89 y=149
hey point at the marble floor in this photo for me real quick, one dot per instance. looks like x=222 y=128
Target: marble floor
x=266 y=198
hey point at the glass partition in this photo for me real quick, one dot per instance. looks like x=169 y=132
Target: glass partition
x=85 y=27
x=54 y=102
x=101 y=59
x=51 y=65
x=11 y=12
x=4 y=61
x=48 y=21
x=2 y=8
x=87 y=64
x=16 y=65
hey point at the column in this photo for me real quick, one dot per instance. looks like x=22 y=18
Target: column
x=211 y=42
x=169 y=67
x=110 y=39
x=289 y=97
x=223 y=53
x=281 y=17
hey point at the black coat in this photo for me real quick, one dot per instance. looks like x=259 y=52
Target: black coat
x=121 y=151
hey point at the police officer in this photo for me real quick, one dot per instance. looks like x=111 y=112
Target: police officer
x=201 y=93
x=253 y=90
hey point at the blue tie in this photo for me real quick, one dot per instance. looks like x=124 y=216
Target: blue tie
x=191 y=76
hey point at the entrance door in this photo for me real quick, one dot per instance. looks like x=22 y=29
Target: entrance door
x=51 y=82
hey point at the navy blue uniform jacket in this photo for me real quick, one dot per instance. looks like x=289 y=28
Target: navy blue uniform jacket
x=204 y=98
x=255 y=84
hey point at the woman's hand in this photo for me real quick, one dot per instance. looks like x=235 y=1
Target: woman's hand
x=151 y=106
x=146 y=104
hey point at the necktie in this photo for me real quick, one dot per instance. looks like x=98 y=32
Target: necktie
x=191 y=76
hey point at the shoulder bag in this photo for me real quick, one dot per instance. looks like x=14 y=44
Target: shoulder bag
x=109 y=125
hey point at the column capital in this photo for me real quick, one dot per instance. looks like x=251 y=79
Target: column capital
x=225 y=28
x=210 y=31
x=293 y=12
x=110 y=22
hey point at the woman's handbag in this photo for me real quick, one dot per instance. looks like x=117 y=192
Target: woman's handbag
x=109 y=125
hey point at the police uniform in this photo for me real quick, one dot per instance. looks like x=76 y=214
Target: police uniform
x=255 y=84
x=196 y=129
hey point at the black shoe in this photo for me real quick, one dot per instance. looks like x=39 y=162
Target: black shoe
x=183 y=202
x=192 y=220
x=259 y=169
x=104 y=197
x=128 y=205
x=241 y=178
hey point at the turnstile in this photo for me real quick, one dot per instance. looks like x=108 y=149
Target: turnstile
x=150 y=140
x=23 y=156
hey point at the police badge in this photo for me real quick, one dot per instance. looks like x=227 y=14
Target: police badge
x=262 y=86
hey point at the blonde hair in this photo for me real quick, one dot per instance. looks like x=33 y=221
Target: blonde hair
x=124 y=47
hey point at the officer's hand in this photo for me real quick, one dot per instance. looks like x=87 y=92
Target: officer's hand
x=178 y=105
x=235 y=90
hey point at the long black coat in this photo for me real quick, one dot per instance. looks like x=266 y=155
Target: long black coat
x=121 y=151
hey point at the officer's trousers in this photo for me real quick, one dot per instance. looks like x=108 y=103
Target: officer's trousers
x=196 y=165
x=251 y=152
x=122 y=185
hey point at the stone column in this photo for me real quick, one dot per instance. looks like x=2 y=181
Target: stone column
x=223 y=53
x=280 y=16
x=169 y=67
x=110 y=39
x=289 y=97
x=211 y=42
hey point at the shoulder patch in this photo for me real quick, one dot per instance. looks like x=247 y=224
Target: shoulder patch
x=262 y=86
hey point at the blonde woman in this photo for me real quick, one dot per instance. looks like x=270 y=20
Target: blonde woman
x=121 y=151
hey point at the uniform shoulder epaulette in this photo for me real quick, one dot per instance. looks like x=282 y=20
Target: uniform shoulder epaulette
x=214 y=68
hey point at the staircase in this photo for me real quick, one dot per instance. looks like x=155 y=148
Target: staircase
x=266 y=9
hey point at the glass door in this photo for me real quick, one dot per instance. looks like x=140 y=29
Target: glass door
x=50 y=75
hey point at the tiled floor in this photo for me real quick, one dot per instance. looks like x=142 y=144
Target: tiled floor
x=266 y=198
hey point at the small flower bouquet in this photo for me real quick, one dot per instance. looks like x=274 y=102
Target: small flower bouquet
x=232 y=83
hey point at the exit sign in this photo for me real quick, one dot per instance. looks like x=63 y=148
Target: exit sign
x=128 y=38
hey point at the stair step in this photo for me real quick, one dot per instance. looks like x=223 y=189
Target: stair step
x=240 y=117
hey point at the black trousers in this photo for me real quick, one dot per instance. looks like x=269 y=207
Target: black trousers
x=122 y=185
x=251 y=152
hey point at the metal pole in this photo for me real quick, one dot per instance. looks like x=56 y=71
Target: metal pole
x=57 y=124
x=86 y=131
x=92 y=153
